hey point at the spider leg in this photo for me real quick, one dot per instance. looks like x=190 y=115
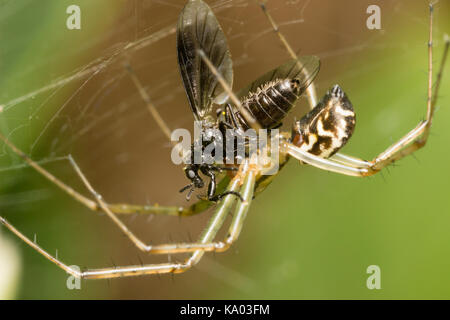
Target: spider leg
x=150 y=106
x=240 y=213
x=348 y=165
x=204 y=244
x=152 y=109
x=311 y=90
x=409 y=143
x=245 y=113
x=350 y=160
x=322 y=163
x=105 y=273
x=88 y=202
x=119 y=208
x=104 y=206
x=70 y=191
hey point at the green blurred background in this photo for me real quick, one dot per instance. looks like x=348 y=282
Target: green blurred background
x=311 y=234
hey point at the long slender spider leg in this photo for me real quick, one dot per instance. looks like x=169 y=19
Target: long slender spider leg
x=105 y=273
x=125 y=230
x=70 y=191
x=254 y=124
x=207 y=244
x=38 y=248
x=409 y=143
x=195 y=208
x=150 y=106
x=417 y=137
x=152 y=109
x=174 y=248
x=350 y=160
x=311 y=90
x=207 y=236
x=352 y=166
x=323 y=163
x=119 y=208
x=139 y=243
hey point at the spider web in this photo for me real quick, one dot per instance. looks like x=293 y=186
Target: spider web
x=67 y=91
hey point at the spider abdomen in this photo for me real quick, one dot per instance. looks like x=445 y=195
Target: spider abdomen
x=326 y=128
x=271 y=102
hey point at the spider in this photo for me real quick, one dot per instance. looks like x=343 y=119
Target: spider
x=315 y=140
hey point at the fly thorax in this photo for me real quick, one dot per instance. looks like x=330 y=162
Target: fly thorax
x=326 y=128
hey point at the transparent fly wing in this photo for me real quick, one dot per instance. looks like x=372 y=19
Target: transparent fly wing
x=197 y=29
x=303 y=68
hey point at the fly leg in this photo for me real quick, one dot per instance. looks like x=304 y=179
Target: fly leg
x=210 y=171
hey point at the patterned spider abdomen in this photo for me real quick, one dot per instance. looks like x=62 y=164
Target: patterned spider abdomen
x=326 y=128
x=272 y=101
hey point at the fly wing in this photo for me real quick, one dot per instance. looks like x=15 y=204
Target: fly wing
x=303 y=68
x=197 y=29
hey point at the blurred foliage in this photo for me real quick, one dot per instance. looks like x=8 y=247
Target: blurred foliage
x=10 y=268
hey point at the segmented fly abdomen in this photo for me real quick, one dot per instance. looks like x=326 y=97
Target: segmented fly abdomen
x=271 y=102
